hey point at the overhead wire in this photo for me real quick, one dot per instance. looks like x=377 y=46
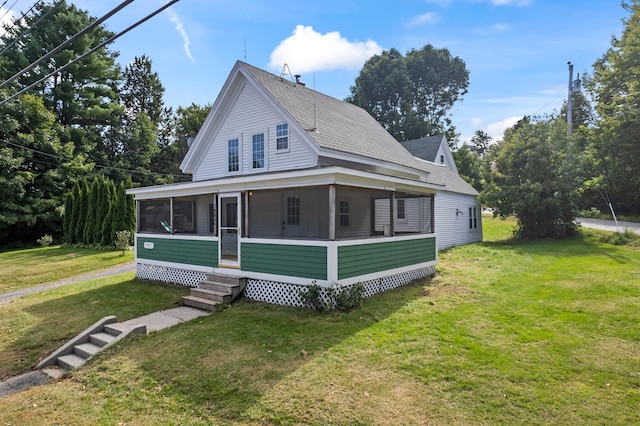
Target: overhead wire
x=98 y=47
x=28 y=30
x=8 y=10
x=67 y=42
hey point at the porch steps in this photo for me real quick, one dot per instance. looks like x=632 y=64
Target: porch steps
x=78 y=350
x=216 y=290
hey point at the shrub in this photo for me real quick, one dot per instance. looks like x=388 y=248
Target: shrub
x=122 y=240
x=341 y=298
x=45 y=240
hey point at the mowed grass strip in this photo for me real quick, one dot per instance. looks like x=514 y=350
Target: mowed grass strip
x=26 y=268
x=31 y=327
x=544 y=332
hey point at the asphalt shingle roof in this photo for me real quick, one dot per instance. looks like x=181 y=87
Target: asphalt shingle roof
x=425 y=148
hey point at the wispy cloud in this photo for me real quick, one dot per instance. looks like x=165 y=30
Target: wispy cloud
x=425 y=18
x=494 y=29
x=307 y=50
x=175 y=19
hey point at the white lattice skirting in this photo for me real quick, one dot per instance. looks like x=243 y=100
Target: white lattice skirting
x=288 y=294
x=271 y=291
x=169 y=275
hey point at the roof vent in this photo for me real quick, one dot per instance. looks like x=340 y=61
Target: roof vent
x=297 y=76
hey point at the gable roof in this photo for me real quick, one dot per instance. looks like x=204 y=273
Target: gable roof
x=334 y=126
x=425 y=148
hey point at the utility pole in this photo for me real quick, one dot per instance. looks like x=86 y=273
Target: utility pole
x=574 y=86
x=570 y=100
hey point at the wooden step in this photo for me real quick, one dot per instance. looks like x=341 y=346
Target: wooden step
x=216 y=296
x=200 y=303
x=86 y=350
x=71 y=361
x=217 y=286
x=101 y=339
x=227 y=279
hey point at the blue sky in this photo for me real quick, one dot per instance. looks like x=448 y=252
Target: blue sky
x=515 y=50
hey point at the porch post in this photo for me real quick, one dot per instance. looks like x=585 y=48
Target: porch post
x=171 y=214
x=392 y=211
x=137 y=215
x=245 y=230
x=332 y=212
x=433 y=211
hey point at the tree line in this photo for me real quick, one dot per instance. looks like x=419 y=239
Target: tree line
x=95 y=119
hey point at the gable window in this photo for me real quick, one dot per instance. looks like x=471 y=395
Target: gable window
x=401 y=209
x=473 y=218
x=293 y=210
x=442 y=159
x=282 y=137
x=344 y=213
x=258 y=151
x=233 y=155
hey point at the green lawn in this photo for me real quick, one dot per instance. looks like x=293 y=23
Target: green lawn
x=544 y=332
x=29 y=267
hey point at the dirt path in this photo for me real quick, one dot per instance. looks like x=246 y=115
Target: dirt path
x=120 y=269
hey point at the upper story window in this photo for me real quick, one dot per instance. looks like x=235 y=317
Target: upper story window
x=442 y=159
x=258 y=151
x=233 y=155
x=282 y=137
x=473 y=218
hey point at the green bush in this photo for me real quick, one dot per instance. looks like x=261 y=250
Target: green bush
x=122 y=240
x=341 y=298
x=45 y=240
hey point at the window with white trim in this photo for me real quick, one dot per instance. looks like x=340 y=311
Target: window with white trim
x=233 y=155
x=282 y=137
x=293 y=210
x=258 y=151
x=401 y=209
x=473 y=218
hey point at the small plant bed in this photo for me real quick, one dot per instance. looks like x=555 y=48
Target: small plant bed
x=29 y=267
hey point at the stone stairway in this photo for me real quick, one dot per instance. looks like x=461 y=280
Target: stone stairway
x=216 y=290
x=78 y=350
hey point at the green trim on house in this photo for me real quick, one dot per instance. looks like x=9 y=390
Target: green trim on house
x=189 y=252
x=282 y=259
x=375 y=257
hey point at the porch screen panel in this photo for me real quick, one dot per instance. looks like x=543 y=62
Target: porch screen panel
x=413 y=217
x=155 y=216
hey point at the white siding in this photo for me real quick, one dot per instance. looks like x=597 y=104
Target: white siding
x=202 y=213
x=251 y=115
x=453 y=229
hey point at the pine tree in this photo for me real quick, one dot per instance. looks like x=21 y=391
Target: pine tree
x=108 y=234
x=120 y=211
x=131 y=209
x=74 y=213
x=102 y=209
x=68 y=214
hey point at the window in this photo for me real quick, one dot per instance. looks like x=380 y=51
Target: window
x=344 y=213
x=473 y=218
x=258 y=151
x=442 y=159
x=401 y=210
x=282 y=137
x=293 y=210
x=233 y=155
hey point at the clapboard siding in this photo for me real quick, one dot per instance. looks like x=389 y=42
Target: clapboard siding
x=453 y=229
x=375 y=257
x=291 y=260
x=189 y=252
x=252 y=115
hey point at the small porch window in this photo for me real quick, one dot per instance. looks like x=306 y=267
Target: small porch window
x=401 y=210
x=293 y=211
x=344 y=213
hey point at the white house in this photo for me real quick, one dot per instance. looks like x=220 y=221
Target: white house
x=292 y=187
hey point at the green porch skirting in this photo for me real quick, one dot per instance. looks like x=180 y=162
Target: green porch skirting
x=285 y=259
x=369 y=258
x=188 y=252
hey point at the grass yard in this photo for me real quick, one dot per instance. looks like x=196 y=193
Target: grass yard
x=544 y=332
x=26 y=268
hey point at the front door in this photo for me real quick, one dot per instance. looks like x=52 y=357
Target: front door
x=229 y=230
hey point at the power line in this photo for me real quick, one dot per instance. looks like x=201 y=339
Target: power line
x=28 y=30
x=8 y=10
x=96 y=165
x=100 y=46
x=67 y=42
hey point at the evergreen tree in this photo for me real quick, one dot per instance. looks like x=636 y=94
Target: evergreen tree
x=108 y=234
x=68 y=215
x=131 y=209
x=120 y=221
x=102 y=209
x=92 y=208
x=74 y=213
x=83 y=201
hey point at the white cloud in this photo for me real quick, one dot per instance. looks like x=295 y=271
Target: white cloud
x=426 y=18
x=175 y=19
x=496 y=130
x=7 y=18
x=307 y=50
